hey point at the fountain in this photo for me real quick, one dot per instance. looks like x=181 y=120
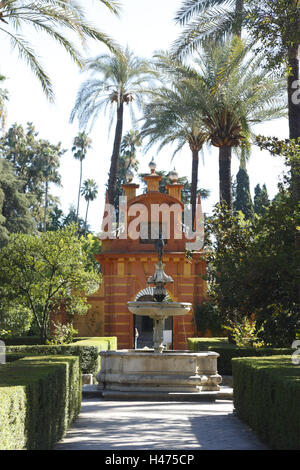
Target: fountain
x=153 y=373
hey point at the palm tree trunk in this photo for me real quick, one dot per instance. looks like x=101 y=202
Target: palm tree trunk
x=238 y=22
x=294 y=127
x=86 y=215
x=78 y=201
x=225 y=176
x=46 y=206
x=195 y=164
x=114 y=166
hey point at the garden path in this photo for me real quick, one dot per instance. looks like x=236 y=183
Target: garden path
x=137 y=425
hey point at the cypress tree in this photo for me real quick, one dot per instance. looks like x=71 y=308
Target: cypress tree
x=243 y=201
x=261 y=199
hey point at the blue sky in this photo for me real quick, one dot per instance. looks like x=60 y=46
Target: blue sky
x=145 y=27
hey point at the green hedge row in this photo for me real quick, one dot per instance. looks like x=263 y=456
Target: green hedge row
x=21 y=340
x=39 y=399
x=229 y=351
x=86 y=349
x=267 y=397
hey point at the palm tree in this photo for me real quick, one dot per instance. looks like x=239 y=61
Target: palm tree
x=54 y=18
x=81 y=144
x=206 y=20
x=51 y=155
x=233 y=92
x=3 y=99
x=90 y=192
x=121 y=79
x=170 y=117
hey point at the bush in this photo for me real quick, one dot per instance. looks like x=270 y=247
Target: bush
x=208 y=317
x=228 y=351
x=39 y=399
x=267 y=397
x=21 y=340
x=86 y=348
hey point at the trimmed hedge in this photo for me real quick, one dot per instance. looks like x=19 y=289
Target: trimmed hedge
x=267 y=397
x=21 y=340
x=39 y=399
x=229 y=351
x=86 y=349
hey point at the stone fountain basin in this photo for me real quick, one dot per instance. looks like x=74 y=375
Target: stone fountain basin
x=159 y=309
x=147 y=371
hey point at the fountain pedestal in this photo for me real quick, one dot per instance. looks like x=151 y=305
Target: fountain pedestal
x=169 y=372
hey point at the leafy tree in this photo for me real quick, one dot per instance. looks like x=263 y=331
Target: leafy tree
x=89 y=191
x=120 y=81
x=253 y=268
x=81 y=144
x=206 y=20
x=35 y=162
x=54 y=18
x=46 y=274
x=243 y=201
x=58 y=220
x=15 y=216
x=261 y=199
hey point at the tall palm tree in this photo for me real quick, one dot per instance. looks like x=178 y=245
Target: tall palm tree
x=90 y=192
x=231 y=93
x=50 y=162
x=81 y=144
x=206 y=20
x=54 y=18
x=120 y=81
x=170 y=118
x=3 y=99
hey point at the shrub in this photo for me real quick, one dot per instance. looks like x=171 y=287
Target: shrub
x=87 y=349
x=208 y=317
x=267 y=397
x=39 y=399
x=229 y=351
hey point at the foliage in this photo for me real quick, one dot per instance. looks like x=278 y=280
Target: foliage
x=46 y=273
x=229 y=351
x=245 y=332
x=206 y=20
x=91 y=245
x=15 y=213
x=208 y=317
x=243 y=201
x=120 y=80
x=39 y=399
x=81 y=144
x=87 y=349
x=35 y=164
x=89 y=191
x=274 y=414
x=3 y=100
x=62 y=333
x=275 y=26
x=253 y=265
x=261 y=199
x=15 y=319
x=55 y=19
